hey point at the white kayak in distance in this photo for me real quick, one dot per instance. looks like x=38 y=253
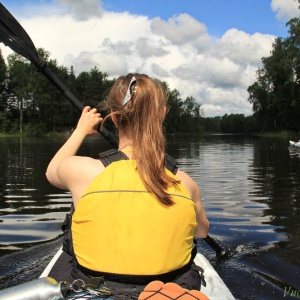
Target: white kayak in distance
x=295 y=145
x=46 y=288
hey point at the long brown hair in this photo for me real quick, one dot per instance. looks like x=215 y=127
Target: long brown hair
x=141 y=120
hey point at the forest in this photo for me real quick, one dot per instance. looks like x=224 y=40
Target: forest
x=31 y=105
x=275 y=96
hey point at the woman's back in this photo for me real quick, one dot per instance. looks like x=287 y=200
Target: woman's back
x=120 y=227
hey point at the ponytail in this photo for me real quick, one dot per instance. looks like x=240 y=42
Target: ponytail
x=139 y=105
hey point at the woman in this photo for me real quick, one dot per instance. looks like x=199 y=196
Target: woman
x=134 y=220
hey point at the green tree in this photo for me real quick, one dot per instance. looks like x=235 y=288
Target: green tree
x=33 y=96
x=293 y=44
x=3 y=83
x=92 y=86
x=251 y=125
x=19 y=92
x=233 y=123
x=191 y=115
x=212 y=124
x=172 y=121
x=72 y=85
x=275 y=95
x=48 y=109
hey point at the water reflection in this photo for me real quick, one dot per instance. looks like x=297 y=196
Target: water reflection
x=30 y=211
x=222 y=166
x=275 y=176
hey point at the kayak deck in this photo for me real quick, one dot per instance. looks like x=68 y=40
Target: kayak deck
x=215 y=287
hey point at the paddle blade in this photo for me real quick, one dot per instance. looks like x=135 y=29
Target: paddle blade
x=13 y=35
x=221 y=252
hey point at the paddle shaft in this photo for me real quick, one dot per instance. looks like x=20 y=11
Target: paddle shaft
x=213 y=244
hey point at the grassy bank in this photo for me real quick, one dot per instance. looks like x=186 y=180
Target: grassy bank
x=24 y=134
x=5 y=135
x=285 y=134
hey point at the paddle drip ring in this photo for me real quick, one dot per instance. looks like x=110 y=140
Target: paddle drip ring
x=78 y=286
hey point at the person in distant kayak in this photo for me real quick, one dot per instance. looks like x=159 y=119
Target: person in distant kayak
x=134 y=220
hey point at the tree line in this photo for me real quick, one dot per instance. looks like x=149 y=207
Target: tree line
x=30 y=103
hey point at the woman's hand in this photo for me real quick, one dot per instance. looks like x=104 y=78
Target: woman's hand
x=88 y=122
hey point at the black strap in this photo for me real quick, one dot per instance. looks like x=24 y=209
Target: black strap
x=113 y=155
x=67 y=232
x=171 y=163
x=110 y=156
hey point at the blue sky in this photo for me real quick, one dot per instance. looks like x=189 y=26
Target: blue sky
x=218 y=15
x=206 y=49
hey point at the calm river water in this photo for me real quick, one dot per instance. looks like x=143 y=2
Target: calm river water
x=250 y=188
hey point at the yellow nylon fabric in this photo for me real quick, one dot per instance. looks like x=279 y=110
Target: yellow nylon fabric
x=118 y=227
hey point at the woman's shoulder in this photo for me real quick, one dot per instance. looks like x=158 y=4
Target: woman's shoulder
x=188 y=182
x=78 y=173
x=184 y=176
x=83 y=162
x=80 y=167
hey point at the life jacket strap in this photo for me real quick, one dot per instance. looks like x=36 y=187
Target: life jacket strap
x=112 y=155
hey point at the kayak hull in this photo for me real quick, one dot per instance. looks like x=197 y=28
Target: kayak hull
x=295 y=145
x=215 y=287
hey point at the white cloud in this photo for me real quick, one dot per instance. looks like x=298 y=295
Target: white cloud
x=216 y=73
x=158 y=71
x=285 y=9
x=83 y=9
x=146 y=48
x=182 y=29
x=105 y=62
x=242 y=47
x=120 y=47
x=225 y=101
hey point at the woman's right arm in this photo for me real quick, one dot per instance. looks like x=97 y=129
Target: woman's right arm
x=63 y=167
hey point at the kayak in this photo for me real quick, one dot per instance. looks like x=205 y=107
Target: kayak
x=215 y=287
x=46 y=288
x=295 y=144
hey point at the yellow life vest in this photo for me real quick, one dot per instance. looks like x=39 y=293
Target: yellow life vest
x=119 y=227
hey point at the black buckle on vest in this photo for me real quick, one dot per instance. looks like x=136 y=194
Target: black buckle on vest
x=111 y=155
